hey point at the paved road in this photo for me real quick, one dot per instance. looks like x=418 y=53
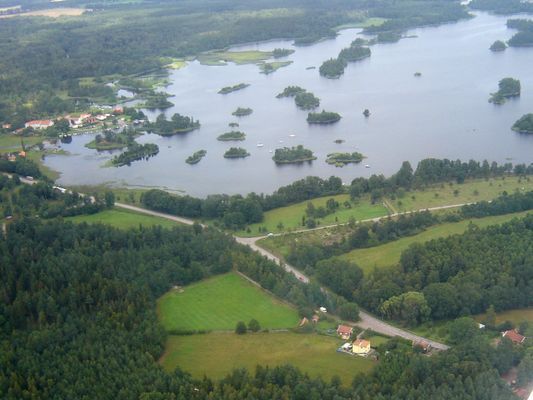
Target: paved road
x=367 y=321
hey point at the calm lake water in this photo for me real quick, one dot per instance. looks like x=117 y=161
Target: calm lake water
x=443 y=113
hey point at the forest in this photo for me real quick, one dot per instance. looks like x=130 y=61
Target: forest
x=507 y=88
x=176 y=125
x=135 y=152
x=524 y=36
x=292 y=155
x=524 y=124
x=79 y=302
x=323 y=117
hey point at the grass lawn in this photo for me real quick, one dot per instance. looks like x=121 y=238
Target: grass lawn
x=216 y=354
x=10 y=143
x=515 y=316
x=389 y=253
x=123 y=219
x=219 y=303
x=291 y=216
x=471 y=191
x=237 y=57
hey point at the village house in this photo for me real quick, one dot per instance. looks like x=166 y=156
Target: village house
x=514 y=336
x=344 y=331
x=39 y=124
x=422 y=345
x=6 y=126
x=361 y=347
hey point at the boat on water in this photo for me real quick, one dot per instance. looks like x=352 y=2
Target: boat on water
x=260 y=144
x=367 y=166
x=281 y=141
x=292 y=135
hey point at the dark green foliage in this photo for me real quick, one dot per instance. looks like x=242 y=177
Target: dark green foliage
x=240 y=328
x=498 y=45
x=236 y=152
x=342 y=276
x=254 y=325
x=467 y=272
x=196 y=157
x=332 y=68
x=135 y=152
x=324 y=117
x=354 y=53
x=388 y=37
x=233 y=135
x=278 y=53
x=505 y=204
x=524 y=124
x=158 y=101
x=507 y=88
x=290 y=91
x=524 y=37
x=306 y=101
x=234 y=88
x=22 y=166
x=242 y=112
x=344 y=158
x=349 y=312
x=502 y=6
x=177 y=124
x=292 y=155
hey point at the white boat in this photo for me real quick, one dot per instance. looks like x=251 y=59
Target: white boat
x=367 y=166
x=292 y=135
x=270 y=151
x=281 y=141
x=260 y=144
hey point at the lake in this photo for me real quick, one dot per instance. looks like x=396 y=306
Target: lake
x=445 y=113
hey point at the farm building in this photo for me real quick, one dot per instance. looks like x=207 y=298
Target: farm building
x=514 y=336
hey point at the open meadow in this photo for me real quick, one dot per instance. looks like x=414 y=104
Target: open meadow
x=217 y=354
x=123 y=219
x=220 y=302
x=389 y=253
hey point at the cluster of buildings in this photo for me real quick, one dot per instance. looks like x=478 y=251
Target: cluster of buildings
x=360 y=347
x=73 y=121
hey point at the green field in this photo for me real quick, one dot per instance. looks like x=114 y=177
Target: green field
x=219 y=303
x=216 y=354
x=515 y=316
x=123 y=219
x=469 y=192
x=237 y=57
x=389 y=253
x=291 y=216
x=10 y=143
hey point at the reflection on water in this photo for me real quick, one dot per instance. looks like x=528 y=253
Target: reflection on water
x=443 y=113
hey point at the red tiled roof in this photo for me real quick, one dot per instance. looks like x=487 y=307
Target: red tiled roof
x=361 y=343
x=344 y=330
x=514 y=336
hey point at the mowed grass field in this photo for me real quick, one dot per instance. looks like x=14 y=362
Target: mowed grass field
x=217 y=354
x=468 y=192
x=220 y=302
x=123 y=219
x=389 y=253
x=516 y=316
x=291 y=216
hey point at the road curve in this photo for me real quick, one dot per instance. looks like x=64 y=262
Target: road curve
x=367 y=321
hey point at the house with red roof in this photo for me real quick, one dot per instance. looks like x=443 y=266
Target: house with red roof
x=344 y=331
x=361 y=347
x=39 y=124
x=514 y=336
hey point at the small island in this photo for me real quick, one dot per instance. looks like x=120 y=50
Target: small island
x=290 y=91
x=270 y=67
x=196 y=157
x=158 y=101
x=524 y=124
x=233 y=125
x=278 y=53
x=332 y=68
x=234 y=88
x=242 y=112
x=498 y=45
x=324 y=117
x=306 y=101
x=341 y=159
x=233 y=135
x=293 y=155
x=354 y=53
x=110 y=140
x=507 y=88
x=339 y=141
x=177 y=124
x=236 y=152
x=135 y=152
x=418 y=74
x=388 y=37
x=366 y=112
